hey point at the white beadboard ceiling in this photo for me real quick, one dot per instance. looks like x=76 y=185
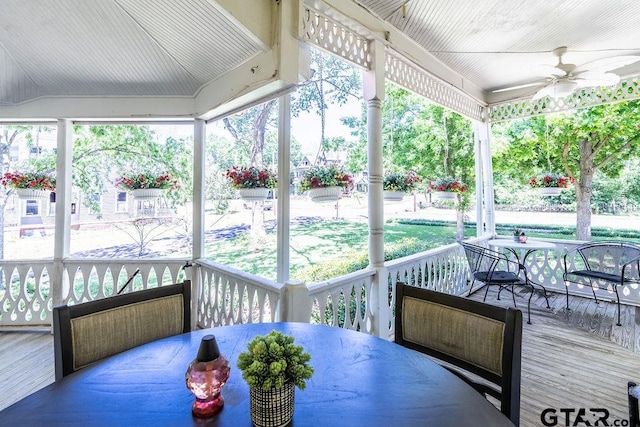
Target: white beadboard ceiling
x=65 y=50
x=497 y=44
x=106 y=48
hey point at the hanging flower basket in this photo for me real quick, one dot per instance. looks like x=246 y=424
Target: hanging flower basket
x=549 y=191
x=325 y=194
x=395 y=185
x=29 y=185
x=393 y=196
x=447 y=188
x=31 y=194
x=444 y=195
x=325 y=183
x=146 y=185
x=146 y=193
x=254 y=194
x=550 y=184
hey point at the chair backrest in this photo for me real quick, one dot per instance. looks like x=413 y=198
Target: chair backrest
x=480 y=258
x=87 y=332
x=479 y=338
x=608 y=257
x=634 y=395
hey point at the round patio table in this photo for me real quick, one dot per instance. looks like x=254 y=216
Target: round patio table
x=521 y=250
x=359 y=380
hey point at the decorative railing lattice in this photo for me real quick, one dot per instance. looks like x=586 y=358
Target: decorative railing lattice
x=444 y=269
x=227 y=296
x=331 y=36
x=402 y=72
x=92 y=279
x=25 y=292
x=626 y=90
x=344 y=302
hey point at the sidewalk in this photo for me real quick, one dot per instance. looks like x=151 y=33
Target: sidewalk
x=519 y=218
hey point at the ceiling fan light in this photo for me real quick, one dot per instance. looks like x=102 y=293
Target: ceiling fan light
x=562 y=89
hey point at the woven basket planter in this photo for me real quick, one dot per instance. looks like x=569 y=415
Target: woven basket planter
x=31 y=194
x=272 y=408
x=325 y=194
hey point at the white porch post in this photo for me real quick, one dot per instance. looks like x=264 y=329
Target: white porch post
x=60 y=282
x=374 y=95
x=283 y=201
x=482 y=133
x=477 y=149
x=197 y=251
x=199 y=138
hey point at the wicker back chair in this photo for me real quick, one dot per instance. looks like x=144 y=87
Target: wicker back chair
x=85 y=333
x=633 y=390
x=470 y=336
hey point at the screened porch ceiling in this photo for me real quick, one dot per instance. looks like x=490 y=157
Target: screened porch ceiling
x=165 y=59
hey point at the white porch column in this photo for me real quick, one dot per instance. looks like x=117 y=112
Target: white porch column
x=59 y=282
x=477 y=150
x=483 y=135
x=197 y=250
x=374 y=95
x=283 y=201
x=199 y=138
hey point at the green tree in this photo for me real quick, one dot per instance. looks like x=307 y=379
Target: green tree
x=418 y=136
x=579 y=144
x=333 y=82
x=422 y=137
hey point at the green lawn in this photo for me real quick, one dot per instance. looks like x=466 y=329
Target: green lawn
x=334 y=246
x=321 y=241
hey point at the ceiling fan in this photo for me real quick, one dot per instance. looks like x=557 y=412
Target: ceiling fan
x=566 y=78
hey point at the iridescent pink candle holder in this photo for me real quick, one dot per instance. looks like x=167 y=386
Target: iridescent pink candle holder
x=206 y=376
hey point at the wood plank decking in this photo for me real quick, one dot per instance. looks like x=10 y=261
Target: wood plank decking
x=573 y=361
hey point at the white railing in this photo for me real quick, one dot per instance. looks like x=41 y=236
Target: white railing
x=228 y=296
x=28 y=293
x=25 y=292
x=363 y=300
x=92 y=279
x=444 y=269
x=546 y=268
x=344 y=301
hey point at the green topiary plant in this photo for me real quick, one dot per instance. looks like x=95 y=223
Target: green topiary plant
x=271 y=360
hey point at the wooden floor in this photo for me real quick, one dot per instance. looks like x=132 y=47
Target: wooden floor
x=573 y=361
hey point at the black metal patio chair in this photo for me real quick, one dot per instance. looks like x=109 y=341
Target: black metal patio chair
x=602 y=266
x=493 y=268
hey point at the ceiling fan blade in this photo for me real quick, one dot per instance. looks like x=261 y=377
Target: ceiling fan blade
x=607 y=64
x=544 y=70
x=558 y=89
x=522 y=86
x=545 y=91
x=592 y=79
